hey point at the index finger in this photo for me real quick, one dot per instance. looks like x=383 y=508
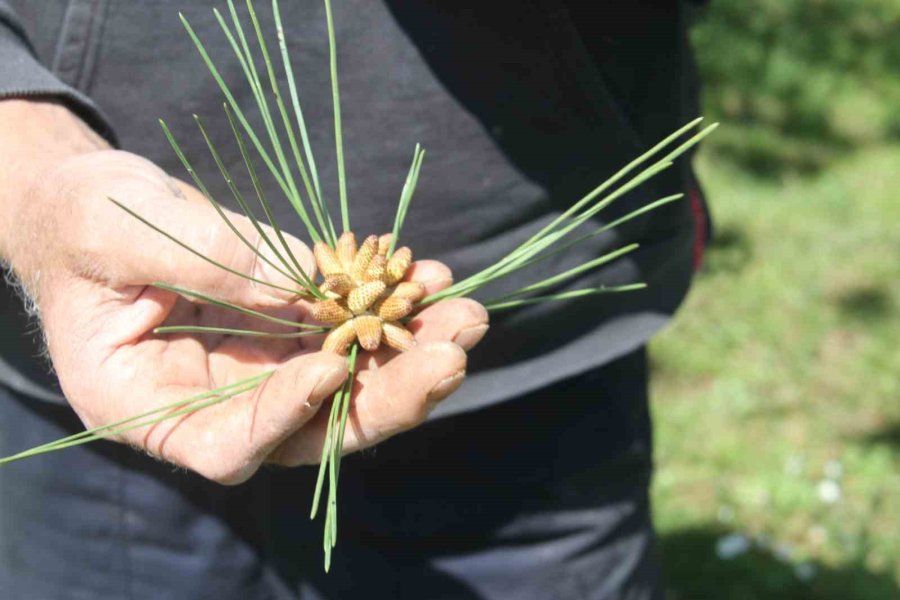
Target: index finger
x=385 y=402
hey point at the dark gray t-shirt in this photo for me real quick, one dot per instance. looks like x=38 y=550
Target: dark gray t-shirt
x=522 y=106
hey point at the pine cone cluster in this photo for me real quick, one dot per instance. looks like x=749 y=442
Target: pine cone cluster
x=366 y=294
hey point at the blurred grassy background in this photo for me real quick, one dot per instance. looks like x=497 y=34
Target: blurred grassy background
x=777 y=389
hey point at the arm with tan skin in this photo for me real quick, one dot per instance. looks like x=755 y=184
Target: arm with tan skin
x=88 y=266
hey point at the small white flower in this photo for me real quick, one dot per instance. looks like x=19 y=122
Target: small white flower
x=829 y=491
x=732 y=546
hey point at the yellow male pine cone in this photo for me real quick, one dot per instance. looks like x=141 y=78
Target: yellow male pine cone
x=366 y=295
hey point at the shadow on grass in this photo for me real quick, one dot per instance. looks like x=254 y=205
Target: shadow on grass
x=887 y=435
x=865 y=303
x=694 y=572
x=770 y=155
x=729 y=252
x=801 y=85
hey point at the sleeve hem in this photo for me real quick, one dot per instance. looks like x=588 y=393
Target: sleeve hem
x=23 y=76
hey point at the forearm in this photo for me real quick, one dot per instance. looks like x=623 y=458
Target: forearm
x=35 y=135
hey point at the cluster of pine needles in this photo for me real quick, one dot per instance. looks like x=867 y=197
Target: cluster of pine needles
x=288 y=157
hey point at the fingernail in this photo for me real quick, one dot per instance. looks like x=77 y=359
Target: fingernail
x=328 y=384
x=441 y=282
x=445 y=387
x=440 y=348
x=468 y=337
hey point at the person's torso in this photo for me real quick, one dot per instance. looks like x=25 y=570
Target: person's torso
x=517 y=114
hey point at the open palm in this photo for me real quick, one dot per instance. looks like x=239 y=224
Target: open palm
x=100 y=311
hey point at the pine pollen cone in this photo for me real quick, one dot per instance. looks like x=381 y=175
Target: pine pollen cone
x=366 y=297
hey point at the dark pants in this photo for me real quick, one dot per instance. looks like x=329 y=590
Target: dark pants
x=544 y=497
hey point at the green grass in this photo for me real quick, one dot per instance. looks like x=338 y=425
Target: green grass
x=801 y=73
x=782 y=371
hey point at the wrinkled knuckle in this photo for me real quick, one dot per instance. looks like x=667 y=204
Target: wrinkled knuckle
x=450 y=353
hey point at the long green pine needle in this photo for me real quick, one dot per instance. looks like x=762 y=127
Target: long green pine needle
x=298 y=114
x=199 y=254
x=231 y=306
x=267 y=209
x=251 y=133
x=219 y=210
x=409 y=187
x=496 y=306
x=289 y=130
x=121 y=426
x=168 y=329
x=336 y=104
x=571 y=273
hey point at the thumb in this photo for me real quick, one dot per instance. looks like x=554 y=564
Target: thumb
x=235 y=260
x=205 y=254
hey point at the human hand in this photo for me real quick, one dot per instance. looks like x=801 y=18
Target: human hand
x=90 y=266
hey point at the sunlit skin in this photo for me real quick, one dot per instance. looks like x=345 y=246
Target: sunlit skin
x=90 y=266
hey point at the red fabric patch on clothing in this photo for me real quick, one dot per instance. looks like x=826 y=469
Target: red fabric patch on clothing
x=698 y=210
